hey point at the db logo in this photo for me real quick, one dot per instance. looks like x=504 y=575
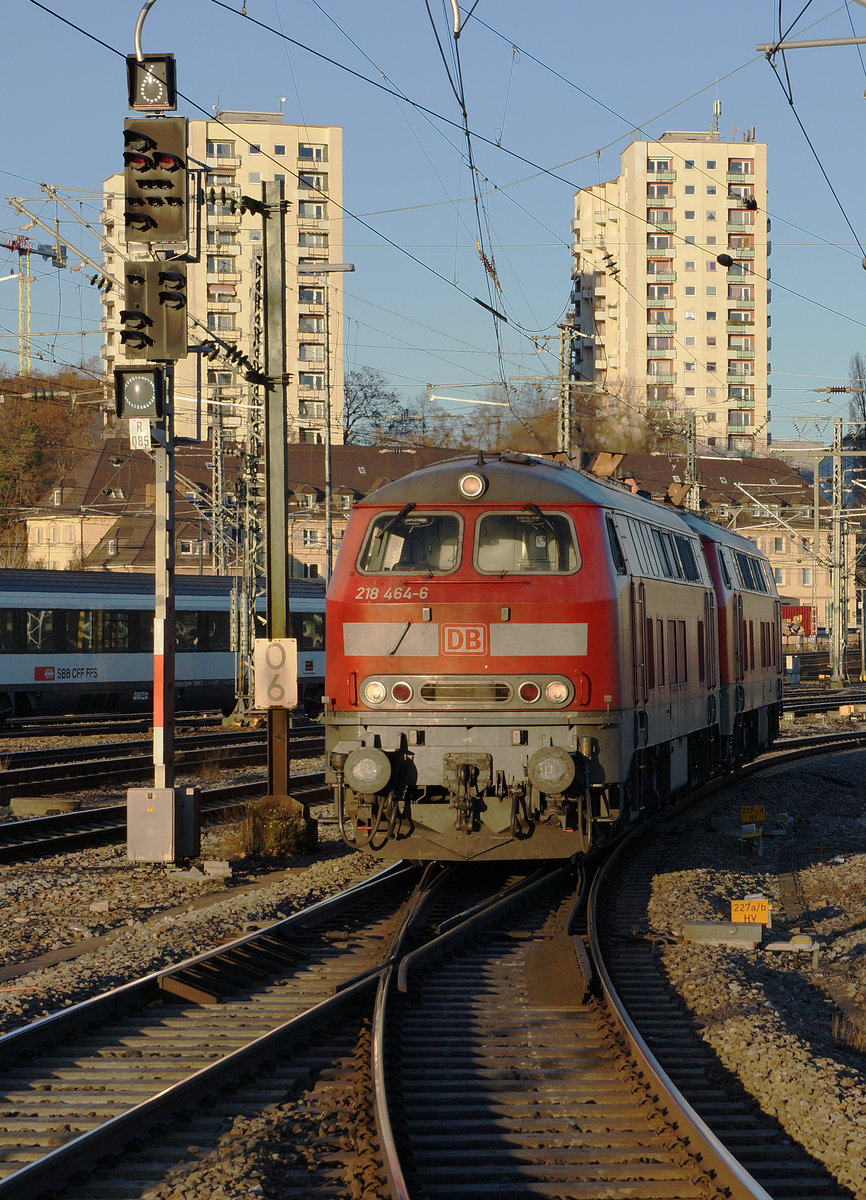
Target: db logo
x=464 y=639
x=43 y=674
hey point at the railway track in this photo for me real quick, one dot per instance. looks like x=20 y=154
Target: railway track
x=83 y=1084
x=35 y=772
x=41 y=836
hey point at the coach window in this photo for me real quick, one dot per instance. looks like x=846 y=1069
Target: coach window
x=40 y=630
x=409 y=542
x=530 y=542
x=218 y=636
x=79 y=630
x=186 y=630
x=115 y=630
x=7 y=629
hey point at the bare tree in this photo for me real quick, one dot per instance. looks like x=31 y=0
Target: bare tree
x=857 y=388
x=373 y=413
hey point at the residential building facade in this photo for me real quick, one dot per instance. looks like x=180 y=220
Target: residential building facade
x=671 y=284
x=230 y=157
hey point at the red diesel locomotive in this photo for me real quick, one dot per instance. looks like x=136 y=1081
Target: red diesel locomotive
x=522 y=658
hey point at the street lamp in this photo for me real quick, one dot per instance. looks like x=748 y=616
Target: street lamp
x=327 y=268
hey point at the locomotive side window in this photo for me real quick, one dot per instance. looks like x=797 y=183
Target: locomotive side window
x=533 y=543
x=667 y=556
x=615 y=548
x=723 y=563
x=415 y=542
x=687 y=558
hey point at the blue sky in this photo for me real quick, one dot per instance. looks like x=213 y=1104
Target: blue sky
x=553 y=92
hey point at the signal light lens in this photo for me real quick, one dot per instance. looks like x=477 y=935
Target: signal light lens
x=401 y=692
x=374 y=692
x=557 y=691
x=529 y=691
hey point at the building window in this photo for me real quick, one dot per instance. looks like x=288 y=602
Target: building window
x=313 y=239
x=691 y=340
x=255 y=148
x=711 y=316
x=689 y=164
x=778 y=575
x=311 y=352
x=307 y=381
x=711 y=341
x=690 y=366
x=658 y=241
x=689 y=214
x=689 y=239
x=711 y=416
x=255 y=235
x=690 y=391
x=255 y=177
x=741 y=166
x=221 y=149
x=311 y=537
x=711 y=394
x=690 y=315
x=711 y=264
x=711 y=189
x=711 y=291
x=711 y=164
x=711 y=367
x=689 y=266
x=219 y=321
x=658 y=164
x=311 y=295
x=312 y=209
x=690 y=291
x=311 y=324
x=279 y=150
x=310 y=182
x=279 y=177
x=690 y=189
x=711 y=214
x=806 y=576
x=311 y=571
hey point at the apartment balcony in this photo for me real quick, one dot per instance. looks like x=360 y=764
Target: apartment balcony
x=666 y=353
x=314 y=253
x=663 y=226
x=741 y=251
x=670 y=377
x=224 y=249
x=739 y=226
x=223 y=306
x=738 y=326
x=311 y=337
x=224 y=220
x=741 y=353
x=739 y=177
x=734 y=377
x=227 y=335
x=659 y=327
x=230 y=162
x=661 y=276
x=659 y=201
x=312 y=223
x=661 y=253
x=741 y=430
x=733 y=401
x=661 y=176
x=732 y=303
x=224 y=276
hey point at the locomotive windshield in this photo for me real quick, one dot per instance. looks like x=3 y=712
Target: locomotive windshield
x=408 y=543
x=531 y=542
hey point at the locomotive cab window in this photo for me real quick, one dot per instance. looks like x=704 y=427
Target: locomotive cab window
x=529 y=542
x=408 y=543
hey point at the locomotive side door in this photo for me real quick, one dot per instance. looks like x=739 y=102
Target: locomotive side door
x=638 y=644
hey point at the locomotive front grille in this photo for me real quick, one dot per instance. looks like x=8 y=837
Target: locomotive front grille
x=460 y=691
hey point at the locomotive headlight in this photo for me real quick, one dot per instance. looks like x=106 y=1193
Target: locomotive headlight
x=472 y=486
x=551 y=769
x=402 y=692
x=374 y=692
x=557 y=691
x=367 y=770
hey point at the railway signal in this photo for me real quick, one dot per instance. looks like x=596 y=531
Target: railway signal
x=155 y=316
x=139 y=392
x=150 y=82
x=155 y=179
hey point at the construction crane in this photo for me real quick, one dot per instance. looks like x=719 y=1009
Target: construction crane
x=25 y=246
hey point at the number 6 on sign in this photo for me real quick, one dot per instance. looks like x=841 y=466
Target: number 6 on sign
x=275 y=662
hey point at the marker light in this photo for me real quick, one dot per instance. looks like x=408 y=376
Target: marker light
x=529 y=691
x=374 y=692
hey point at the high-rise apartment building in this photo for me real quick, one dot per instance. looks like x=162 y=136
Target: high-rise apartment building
x=230 y=157
x=671 y=269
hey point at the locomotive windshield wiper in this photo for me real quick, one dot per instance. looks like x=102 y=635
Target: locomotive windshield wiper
x=540 y=517
x=395 y=520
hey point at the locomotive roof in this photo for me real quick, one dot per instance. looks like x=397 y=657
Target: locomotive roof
x=514 y=479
